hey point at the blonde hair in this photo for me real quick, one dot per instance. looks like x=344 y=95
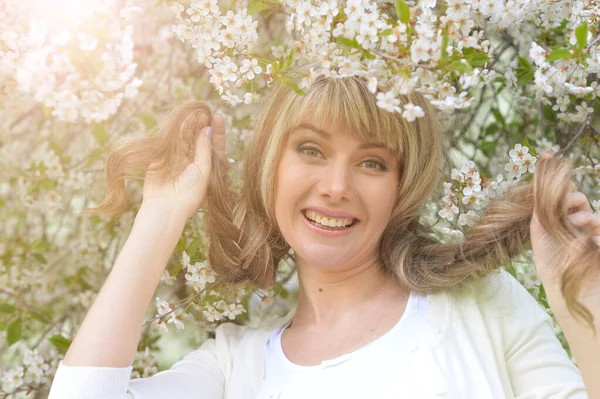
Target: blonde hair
x=245 y=241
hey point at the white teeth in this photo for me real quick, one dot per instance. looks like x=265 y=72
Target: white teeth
x=324 y=220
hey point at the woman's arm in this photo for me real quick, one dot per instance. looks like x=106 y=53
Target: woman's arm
x=111 y=329
x=552 y=260
x=584 y=345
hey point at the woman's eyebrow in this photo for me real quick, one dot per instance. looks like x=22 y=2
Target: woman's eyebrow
x=327 y=136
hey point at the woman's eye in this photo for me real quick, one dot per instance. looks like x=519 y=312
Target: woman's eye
x=376 y=165
x=305 y=150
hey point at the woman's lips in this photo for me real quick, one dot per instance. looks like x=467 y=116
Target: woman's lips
x=329 y=233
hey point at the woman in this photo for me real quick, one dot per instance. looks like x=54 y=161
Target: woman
x=384 y=310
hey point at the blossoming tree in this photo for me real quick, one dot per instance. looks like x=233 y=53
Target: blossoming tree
x=511 y=79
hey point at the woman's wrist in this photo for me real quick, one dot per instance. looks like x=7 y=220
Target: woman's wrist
x=158 y=227
x=588 y=297
x=161 y=215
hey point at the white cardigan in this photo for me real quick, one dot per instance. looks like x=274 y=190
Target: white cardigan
x=494 y=342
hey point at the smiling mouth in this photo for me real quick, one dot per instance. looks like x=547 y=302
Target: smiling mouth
x=324 y=227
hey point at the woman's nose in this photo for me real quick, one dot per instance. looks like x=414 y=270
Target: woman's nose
x=336 y=182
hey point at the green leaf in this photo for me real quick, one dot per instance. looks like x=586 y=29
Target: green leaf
x=478 y=59
x=581 y=33
x=474 y=57
x=13 y=333
x=368 y=55
x=176 y=270
x=352 y=43
x=491 y=130
x=47 y=184
x=460 y=67
x=61 y=343
x=46 y=111
x=7 y=308
x=403 y=11
x=40 y=258
x=56 y=147
x=548 y=113
x=558 y=54
x=292 y=84
x=524 y=78
x=289 y=60
x=498 y=115
x=149 y=121
x=525 y=73
x=193 y=247
x=256 y=6
x=39 y=317
x=444 y=42
x=100 y=134
x=40 y=245
x=525 y=64
x=527 y=144
x=94 y=156
x=488 y=147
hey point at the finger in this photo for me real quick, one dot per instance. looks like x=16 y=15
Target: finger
x=578 y=201
x=218 y=124
x=585 y=220
x=202 y=156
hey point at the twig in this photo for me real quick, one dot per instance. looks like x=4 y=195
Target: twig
x=579 y=133
x=594 y=130
x=181 y=305
x=23 y=304
x=22 y=117
x=592 y=43
x=402 y=61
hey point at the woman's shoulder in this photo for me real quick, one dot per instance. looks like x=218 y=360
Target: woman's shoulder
x=234 y=335
x=500 y=291
x=497 y=289
x=495 y=298
x=234 y=341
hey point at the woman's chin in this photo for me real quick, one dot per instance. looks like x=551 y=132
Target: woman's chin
x=329 y=260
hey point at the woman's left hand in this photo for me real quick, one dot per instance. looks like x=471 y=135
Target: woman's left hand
x=544 y=247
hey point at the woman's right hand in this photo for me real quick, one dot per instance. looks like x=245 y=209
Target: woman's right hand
x=186 y=192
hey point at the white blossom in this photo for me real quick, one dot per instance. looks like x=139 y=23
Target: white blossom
x=412 y=112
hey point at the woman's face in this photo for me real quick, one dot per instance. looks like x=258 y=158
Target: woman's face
x=323 y=169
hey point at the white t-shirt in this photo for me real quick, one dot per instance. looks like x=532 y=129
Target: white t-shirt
x=384 y=368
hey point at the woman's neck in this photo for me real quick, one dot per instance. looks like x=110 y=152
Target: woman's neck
x=327 y=298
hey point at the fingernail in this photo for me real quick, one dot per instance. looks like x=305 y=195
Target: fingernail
x=209 y=132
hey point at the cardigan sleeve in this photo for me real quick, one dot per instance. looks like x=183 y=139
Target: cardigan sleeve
x=196 y=376
x=537 y=364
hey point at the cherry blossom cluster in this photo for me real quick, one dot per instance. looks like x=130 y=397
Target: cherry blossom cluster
x=215 y=303
x=221 y=310
x=469 y=191
x=34 y=371
x=145 y=365
x=167 y=313
x=198 y=274
x=78 y=74
x=590 y=168
x=223 y=43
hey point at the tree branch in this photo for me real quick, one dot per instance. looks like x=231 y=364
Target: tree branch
x=579 y=133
